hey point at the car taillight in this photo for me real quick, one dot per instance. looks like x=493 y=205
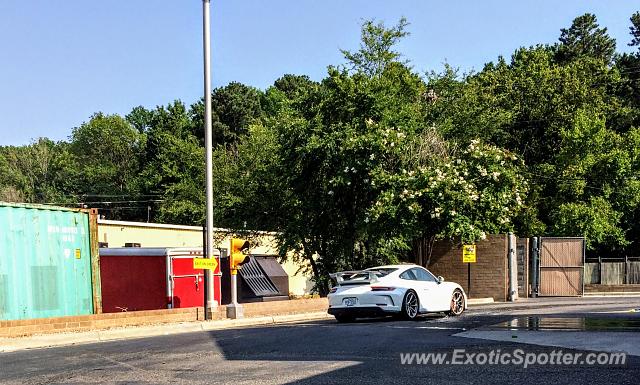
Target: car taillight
x=333 y=290
x=382 y=288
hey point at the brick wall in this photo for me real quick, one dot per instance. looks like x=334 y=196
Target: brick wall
x=256 y=309
x=19 y=328
x=489 y=275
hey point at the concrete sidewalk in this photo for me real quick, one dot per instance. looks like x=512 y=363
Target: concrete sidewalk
x=63 y=339
x=598 y=341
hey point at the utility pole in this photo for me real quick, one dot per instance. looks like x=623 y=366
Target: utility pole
x=210 y=303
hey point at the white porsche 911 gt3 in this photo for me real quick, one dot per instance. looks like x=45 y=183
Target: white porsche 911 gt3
x=406 y=290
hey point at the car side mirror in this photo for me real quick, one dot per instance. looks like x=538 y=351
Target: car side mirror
x=440 y=279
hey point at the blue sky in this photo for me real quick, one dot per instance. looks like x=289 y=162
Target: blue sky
x=61 y=61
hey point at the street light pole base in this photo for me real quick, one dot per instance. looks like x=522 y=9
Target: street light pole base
x=211 y=310
x=235 y=311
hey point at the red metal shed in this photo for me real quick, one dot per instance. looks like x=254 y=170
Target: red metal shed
x=144 y=278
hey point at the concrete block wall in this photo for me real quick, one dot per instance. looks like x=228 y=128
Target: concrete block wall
x=21 y=328
x=257 y=309
x=489 y=275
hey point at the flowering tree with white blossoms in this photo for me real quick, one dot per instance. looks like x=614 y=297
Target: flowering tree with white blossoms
x=464 y=195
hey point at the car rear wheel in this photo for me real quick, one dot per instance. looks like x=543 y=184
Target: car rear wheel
x=344 y=318
x=457 y=303
x=410 y=305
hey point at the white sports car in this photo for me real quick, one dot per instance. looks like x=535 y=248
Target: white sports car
x=406 y=290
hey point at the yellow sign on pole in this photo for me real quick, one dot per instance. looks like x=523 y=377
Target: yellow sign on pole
x=205 y=263
x=469 y=253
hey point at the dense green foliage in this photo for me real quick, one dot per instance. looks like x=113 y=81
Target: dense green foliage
x=376 y=161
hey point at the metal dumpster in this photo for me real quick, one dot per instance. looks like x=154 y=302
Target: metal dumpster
x=150 y=278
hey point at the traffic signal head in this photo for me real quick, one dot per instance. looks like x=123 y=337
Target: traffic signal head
x=237 y=256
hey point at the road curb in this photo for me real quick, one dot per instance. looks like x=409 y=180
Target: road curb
x=479 y=301
x=615 y=294
x=510 y=306
x=66 y=339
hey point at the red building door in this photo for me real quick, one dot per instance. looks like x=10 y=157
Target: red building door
x=188 y=283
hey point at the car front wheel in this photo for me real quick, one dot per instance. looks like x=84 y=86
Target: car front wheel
x=457 y=303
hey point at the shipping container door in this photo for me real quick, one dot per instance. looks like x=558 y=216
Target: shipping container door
x=45 y=264
x=188 y=283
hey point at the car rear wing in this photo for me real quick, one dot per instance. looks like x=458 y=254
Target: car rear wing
x=356 y=277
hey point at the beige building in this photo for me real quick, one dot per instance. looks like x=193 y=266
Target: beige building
x=119 y=233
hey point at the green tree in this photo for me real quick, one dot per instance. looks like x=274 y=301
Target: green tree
x=595 y=220
x=107 y=151
x=635 y=30
x=627 y=64
x=173 y=170
x=307 y=174
x=234 y=108
x=345 y=168
x=248 y=193
x=567 y=119
x=376 y=47
x=35 y=173
x=375 y=162
x=182 y=188
x=586 y=38
x=294 y=86
x=140 y=118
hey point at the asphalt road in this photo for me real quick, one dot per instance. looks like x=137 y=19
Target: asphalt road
x=323 y=352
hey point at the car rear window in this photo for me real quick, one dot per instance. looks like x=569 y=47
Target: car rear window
x=383 y=271
x=353 y=278
x=362 y=277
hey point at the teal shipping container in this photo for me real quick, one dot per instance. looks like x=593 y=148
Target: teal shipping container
x=45 y=262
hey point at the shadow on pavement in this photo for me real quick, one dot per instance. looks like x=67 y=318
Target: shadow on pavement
x=318 y=352
x=372 y=347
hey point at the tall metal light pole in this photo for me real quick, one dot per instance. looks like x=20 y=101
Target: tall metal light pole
x=208 y=140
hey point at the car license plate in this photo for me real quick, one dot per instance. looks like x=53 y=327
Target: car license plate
x=351 y=301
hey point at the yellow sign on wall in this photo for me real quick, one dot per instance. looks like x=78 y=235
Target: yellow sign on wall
x=205 y=263
x=469 y=253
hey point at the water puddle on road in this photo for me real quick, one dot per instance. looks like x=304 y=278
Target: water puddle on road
x=581 y=323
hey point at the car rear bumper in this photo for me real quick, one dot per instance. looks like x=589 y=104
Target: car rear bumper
x=362 y=311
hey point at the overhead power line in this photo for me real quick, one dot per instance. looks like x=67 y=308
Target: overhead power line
x=103 y=202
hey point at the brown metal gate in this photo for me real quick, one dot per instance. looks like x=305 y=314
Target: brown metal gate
x=561 y=266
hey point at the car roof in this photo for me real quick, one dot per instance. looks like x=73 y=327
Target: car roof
x=402 y=266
